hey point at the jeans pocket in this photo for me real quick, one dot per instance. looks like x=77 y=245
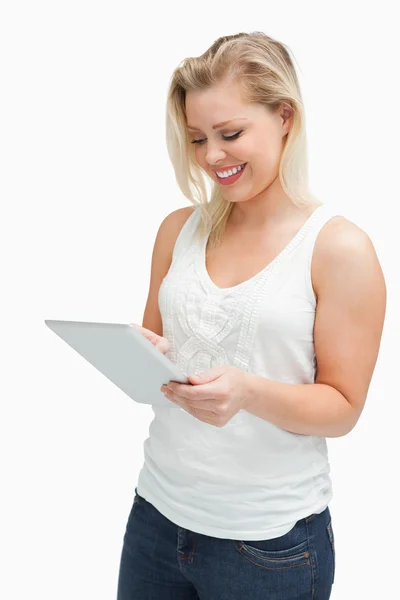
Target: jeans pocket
x=332 y=545
x=288 y=550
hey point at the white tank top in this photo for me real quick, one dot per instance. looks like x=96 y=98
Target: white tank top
x=248 y=480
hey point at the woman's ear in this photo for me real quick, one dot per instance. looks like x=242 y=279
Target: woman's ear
x=286 y=115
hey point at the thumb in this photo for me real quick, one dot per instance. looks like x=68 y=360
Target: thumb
x=205 y=376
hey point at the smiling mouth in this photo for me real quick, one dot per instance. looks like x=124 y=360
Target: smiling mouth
x=231 y=178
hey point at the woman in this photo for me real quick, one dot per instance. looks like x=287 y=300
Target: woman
x=274 y=306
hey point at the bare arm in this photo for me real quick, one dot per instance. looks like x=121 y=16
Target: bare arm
x=347 y=334
x=161 y=261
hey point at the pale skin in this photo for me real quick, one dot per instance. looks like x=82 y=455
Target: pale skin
x=346 y=276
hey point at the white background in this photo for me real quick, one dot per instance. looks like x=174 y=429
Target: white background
x=85 y=183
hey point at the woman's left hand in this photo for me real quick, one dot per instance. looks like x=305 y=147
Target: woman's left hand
x=215 y=397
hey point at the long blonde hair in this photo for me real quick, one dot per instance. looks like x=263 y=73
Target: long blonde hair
x=264 y=68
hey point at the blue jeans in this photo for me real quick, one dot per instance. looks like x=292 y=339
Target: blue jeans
x=162 y=561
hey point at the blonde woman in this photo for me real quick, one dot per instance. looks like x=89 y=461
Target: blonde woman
x=274 y=306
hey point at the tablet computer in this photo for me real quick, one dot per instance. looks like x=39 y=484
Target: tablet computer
x=121 y=353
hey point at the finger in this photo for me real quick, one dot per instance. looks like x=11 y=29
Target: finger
x=174 y=398
x=190 y=396
x=158 y=341
x=162 y=344
x=183 y=402
x=149 y=335
x=189 y=392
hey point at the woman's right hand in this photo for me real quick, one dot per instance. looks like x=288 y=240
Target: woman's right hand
x=157 y=340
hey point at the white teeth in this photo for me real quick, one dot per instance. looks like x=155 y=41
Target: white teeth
x=229 y=173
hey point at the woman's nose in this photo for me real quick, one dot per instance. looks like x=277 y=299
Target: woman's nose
x=214 y=154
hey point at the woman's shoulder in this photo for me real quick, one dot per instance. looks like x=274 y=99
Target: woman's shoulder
x=177 y=218
x=174 y=222
x=339 y=241
x=172 y=226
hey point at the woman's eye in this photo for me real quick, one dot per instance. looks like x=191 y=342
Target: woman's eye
x=225 y=137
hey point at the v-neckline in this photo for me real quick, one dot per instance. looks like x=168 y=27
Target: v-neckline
x=216 y=289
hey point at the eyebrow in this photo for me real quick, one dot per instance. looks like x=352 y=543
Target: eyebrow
x=218 y=124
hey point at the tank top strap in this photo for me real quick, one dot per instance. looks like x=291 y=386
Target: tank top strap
x=320 y=217
x=185 y=236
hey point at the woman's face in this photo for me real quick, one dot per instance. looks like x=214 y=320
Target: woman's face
x=258 y=139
